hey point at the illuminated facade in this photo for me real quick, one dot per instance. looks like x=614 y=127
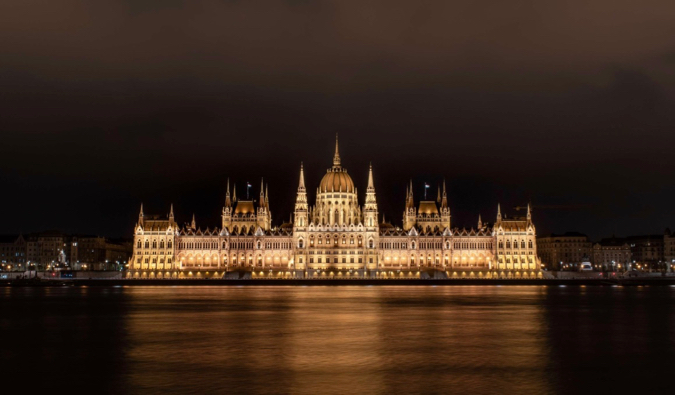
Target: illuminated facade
x=335 y=237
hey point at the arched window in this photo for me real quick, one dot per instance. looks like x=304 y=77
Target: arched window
x=300 y=243
x=161 y=244
x=147 y=243
x=154 y=244
x=501 y=244
x=522 y=244
x=351 y=240
x=258 y=245
x=447 y=245
x=344 y=239
x=138 y=244
x=371 y=243
x=508 y=244
x=413 y=245
x=529 y=244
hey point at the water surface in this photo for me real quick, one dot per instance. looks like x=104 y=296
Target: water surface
x=340 y=340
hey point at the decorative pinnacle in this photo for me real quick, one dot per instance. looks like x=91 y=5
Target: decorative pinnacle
x=302 y=177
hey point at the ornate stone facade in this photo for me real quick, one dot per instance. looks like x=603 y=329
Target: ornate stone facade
x=335 y=237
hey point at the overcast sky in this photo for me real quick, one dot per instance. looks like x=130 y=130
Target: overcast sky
x=569 y=105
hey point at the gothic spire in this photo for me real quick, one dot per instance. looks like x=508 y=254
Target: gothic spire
x=262 y=193
x=371 y=185
x=499 y=212
x=228 y=200
x=301 y=184
x=529 y=212
x=194 y=223
x=410 y=203
x=444 y=199
x=171 y=213
x=480 y=223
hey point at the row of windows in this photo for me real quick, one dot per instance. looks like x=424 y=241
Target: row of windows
x=515 y=260
x=154 y=260
x=336 y=260
x=473 y=246
x=169 y=244
x=312 y=252
x=515 y=244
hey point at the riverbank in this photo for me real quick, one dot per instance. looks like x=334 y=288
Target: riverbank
x=649 y=281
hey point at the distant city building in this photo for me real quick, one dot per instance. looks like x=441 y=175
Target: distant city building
x=12 y=252
x=647 y=250
x=669 y=248
x=612 y=254
x=47 y=250
x=99 y=253
x=56 y=250
x=334 y=237
x=568 y=249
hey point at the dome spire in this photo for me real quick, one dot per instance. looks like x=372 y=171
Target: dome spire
x=336 y=157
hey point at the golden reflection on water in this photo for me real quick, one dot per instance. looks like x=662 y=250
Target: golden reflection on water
x=338 y=340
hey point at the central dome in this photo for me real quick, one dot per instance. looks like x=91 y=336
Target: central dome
x=336 y=180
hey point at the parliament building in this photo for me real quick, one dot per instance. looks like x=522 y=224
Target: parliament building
x=333 y=238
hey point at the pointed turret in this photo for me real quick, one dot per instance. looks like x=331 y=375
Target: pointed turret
x=234 y=193
x=410 y=213
x=438 y=194
x=171 y=213
x=228 y=200
x=529 y=213
x=301 y=208
x=410 y=203
x=499 y=212
x=267 y=196
x=261 y=203
x=193 y=225
x=301 y=184
x=370 y=208
x=444 y=199
x=480 y=222
x=140 y=215
x=336 y=157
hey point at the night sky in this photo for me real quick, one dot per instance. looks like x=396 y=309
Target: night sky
x=569 y=105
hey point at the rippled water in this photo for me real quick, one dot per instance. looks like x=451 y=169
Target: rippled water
x=340 y=340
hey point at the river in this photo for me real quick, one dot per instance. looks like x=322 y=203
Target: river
x=339 y=339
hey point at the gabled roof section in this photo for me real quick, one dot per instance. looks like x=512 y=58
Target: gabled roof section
x=428 y=208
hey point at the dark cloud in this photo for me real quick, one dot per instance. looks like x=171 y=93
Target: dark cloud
x=104 y=104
